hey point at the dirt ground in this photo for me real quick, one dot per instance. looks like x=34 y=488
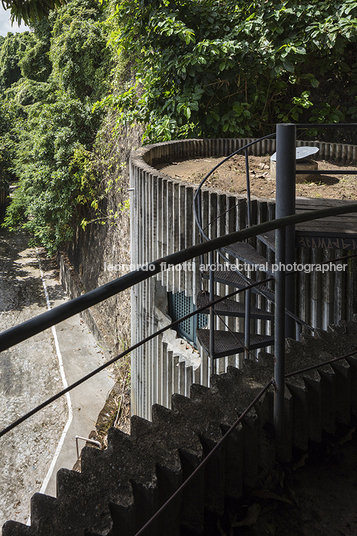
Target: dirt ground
x=230 y=177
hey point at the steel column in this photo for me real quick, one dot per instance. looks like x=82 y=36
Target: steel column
x=247 y=292
x=285 y=206
x=285 y=254
x=247 y=301
x=279 y=334
x=212 y=318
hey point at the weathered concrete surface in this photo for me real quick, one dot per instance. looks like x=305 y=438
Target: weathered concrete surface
x=29 y=374
x=120 y=488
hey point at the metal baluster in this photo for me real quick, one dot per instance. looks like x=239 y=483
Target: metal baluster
x=285 y=206
x=247 y=298
x=212 y=318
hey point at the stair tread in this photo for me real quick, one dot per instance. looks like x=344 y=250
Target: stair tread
x=268 y=239
x=234 y=279
x=248 y=254
x=229 y=307
x=227 y=343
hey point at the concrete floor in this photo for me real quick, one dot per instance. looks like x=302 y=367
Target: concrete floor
x=31 y=372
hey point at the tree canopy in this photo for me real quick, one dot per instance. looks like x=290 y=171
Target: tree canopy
x=183 y=68
x=29 y=11
x=52 y=77
x=234 y=68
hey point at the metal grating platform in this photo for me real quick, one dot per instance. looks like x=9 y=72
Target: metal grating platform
x=249 y=255
x=230 y=307
x=230 y=277
x=268 y=239
x=227 y=343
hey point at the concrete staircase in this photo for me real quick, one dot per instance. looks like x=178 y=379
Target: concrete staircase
x=120 y=488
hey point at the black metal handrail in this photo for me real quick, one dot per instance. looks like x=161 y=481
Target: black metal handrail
x=113 y=360
x=307 y=126
x=50 y=318
x=225 y=437
x=27 y=329
x=197 y=197
x=61 y=312
x=203 y=236
x=66 y=310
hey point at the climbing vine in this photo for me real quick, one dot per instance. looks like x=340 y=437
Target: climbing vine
x=57 y=74
x=210 y=68
x=178 y=69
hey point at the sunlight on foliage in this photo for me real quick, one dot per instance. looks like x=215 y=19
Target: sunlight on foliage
x=189 y=68
x=206 y=68
x=51 y=78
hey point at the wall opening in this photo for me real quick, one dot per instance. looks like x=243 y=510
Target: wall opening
x=180 y=305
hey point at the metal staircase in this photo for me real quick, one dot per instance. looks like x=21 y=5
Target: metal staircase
x=229 y=342
x=234 y=266
x=220 y=338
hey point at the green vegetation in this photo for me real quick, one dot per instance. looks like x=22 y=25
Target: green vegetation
x=30 y=10
x=202 y=68
x=53 y=77
x=234 y=68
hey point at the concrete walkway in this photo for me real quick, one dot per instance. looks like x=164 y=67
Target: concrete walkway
x=31 y=372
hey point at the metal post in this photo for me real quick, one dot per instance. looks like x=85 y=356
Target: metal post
x=279 y=334
x=199 y=218
x=285 y=206
x=249 y=211
x=211 y=316
x=247 y=298
x=247 y=323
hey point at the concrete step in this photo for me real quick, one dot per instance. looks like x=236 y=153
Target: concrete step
x=122 y=486
x=314 y=401
x=300 y=415
x=68 y=482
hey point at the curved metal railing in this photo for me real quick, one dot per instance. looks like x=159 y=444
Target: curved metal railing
x=197 y=208
x=203 y=236
x=27 y=329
